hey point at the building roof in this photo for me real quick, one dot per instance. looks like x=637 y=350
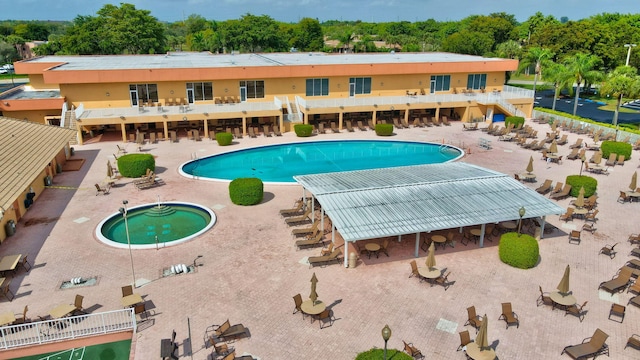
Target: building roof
x=180 y=60
x=26 y=148
x=407 y=200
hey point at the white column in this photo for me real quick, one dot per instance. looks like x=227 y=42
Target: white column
x=416 y=253
x=542 y=227
x=345 y=254
x=482 y=235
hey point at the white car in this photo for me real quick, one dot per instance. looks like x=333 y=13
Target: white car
x=3 y=71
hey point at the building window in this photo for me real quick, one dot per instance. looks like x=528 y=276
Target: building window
x=201 y=90
x=317 y=87
x=476 y=81
x=361 y=85
x=254 y=88
x=441 y=82
x=143 y=93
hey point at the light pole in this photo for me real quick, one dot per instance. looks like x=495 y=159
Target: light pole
x=521 y=212
x=583 y=159
x=628 y=52
x=123 y=211
x=386 y=335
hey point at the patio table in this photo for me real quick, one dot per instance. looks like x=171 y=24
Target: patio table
x=429 y=273
x=529 y=177
x=580 y=212
x=473 y=351
x=9 y=262
x=439 y=240
x=564 y=300
x=61 y=311
x=310 y=307
x=130 y=300
x=372 y=248
x=509 y=225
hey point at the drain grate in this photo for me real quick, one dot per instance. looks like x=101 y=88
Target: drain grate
x=168 y=271
x=78 y=282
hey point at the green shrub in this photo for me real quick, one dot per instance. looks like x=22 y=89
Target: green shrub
x=515 y=120
x=576 y=181
x=246 y=191
x=303 y=130
x=136 y=165
x=615 y=147
x=377 y=354
x=384 y=129
x=521 y=251
x=224 y=138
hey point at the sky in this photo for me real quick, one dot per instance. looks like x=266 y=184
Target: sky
x=294 y=10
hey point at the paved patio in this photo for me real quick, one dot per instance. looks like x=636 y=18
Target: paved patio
x=250 y=269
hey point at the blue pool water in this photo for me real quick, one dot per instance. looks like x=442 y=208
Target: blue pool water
x=279 y=163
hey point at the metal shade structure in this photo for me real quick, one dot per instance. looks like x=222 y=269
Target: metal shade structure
x=313 y=295
x=563 y=286
x=580 y=200
x=553 y=148
x=634 y=180
x=431 y=256
x=530 y=166
x=482 y=339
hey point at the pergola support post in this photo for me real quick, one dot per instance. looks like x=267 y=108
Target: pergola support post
x=416 y=253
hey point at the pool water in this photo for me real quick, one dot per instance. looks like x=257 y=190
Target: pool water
x=151 y=225
x=280 y=163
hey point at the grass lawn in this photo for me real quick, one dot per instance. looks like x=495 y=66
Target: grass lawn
x=118 y=350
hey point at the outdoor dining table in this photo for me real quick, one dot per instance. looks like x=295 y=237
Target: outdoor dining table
x=439 y=240
x=429 y=273
x=130 y=300
x=633 y=195
x=530 y=177
x=311 y=307
x=564 y=300
x=580 y=212
x=9 y=262
x=473 y=351
x=61 y=311
x=509 y=225
x=7 y=318
x=372 y=248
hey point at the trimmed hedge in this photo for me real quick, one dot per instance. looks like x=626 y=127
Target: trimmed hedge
x=224 y=138
x=303 y=130
x=615 y=147
x=246 y=191
x=135 y=165
x=576 y=181
x=515 y=120
x=377 y=354
x=521 y=251
x=384 y=129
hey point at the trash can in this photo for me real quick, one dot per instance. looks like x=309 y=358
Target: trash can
x=10 y=228
x=352 y=260
x=72 y=151
x=58 y=168
x=47 y=181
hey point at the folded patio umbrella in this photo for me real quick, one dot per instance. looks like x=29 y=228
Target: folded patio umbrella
x=553 y=148
x=596 y=138
x=580 y=200
x=530 y=166
x=481 y=339
x=563 y=286
x=431 y=257
x=314 y=295
x=634 y=181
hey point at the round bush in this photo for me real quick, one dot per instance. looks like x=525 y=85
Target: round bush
x=303 y=130
x=521 y=251
x=135 y=165
x=377 y=354
x=615 y=147
x=384 y=129
x=576 y=181
x=246 y=191
x=224 y=138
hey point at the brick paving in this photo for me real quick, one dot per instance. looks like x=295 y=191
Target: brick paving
x=250 y=269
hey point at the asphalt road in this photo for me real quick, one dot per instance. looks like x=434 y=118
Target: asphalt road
x=586 y=108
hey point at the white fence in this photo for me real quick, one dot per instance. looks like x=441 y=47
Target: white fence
x=69 y=328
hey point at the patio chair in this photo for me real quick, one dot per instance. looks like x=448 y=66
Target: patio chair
x=590 y=347
x=620 y=160
x=232 y=356
x=634 y=239
x=544 y=298
x=465 y=339
x=635 y=287
x=348 y=125
x=609 y=250
x=220 y=349
x=473 y=319
x=325 y=317
x=252 y=133
x=319 y=260
x=592 y=216
x=299 y=219
x=634 y=340
x=334 y=128
x=574 y=236
x=140 y=309
x=361 y=126
x=127 y=290
x=443 y=280
x=297 y=299
x=226 y=331
x=266 y=131
x=545 y=187
x=612 y=159
x=510 y=317
x=5 y=290
x=78 y=305
x=617 y=310
x=24 y=262
x=618 y=283
x=635 y=300
x=385 y=247
x=568 y=215
x=414 y=270
x=311 y=241
x=308 y=231
x=412 y=350
x=623 y=197
x=576 y=310
x=557 y=188
x=236 y=133
x=276 y=130
x=295 y=210
x=101 y=190
x=566 y=190
x=22 y=318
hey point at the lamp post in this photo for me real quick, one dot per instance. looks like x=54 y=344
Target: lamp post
x=628 y=52
x=386 y=335
x=123 y=211
x=583 y=159
x=521 y=212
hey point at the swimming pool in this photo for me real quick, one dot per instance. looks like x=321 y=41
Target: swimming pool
x=280 y=163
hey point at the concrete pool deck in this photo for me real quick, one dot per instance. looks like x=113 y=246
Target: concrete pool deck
x=250 y=269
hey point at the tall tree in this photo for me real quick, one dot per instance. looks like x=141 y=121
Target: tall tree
x=583 y=69
x=623 y=80
x=537 y=57
x=561 y=78
x=307 y=35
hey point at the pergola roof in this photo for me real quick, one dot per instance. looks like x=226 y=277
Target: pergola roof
x=407 y=200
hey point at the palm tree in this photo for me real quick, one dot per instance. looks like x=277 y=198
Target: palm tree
x=582 y=66
x=535 y=56
x=622 y=80
x=559 y=76
x=346 y=38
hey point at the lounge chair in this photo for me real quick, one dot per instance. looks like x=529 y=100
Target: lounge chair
x=320 y=129
x=299 y=219
x=252 y=133
x=566 y=190
x=574 y=236
x=634 y=239
x=327 y=250
x=620 y=161
x=576 y=310
x=510 y=317
x=445 y=121
x=347 y=124
x=557 y=188
x=311 y=241
x=276 y=130
x=121 y=150
x=618 y=283
x=319 y=260
x=232 y=356
x=568 y=215
x=573 y=155
x=196 y=135
x=589 y=227
x=404 y=123
x=101 y=190
x=473 y=319
x=417 y=122
x=151 y=182
x=236 y=133
x=545 y=187
x=266 y=131
x=609 y=250
x=635 y=252
x=577 y=144
x=592 y=216
x=617 y=310
x=361 y=126
x=635 y=287
x=635 y=300
x=591 y=346
x=563 y=140
x=296 y=210
x=465 y=339
x=334 y=128
x=623 y=197
x=226 y=331
x=397 y=124
x=412 y=350
x=221 y=349
x=311 y=230
x=612 y=159
x=372 y=125
x=634 y=340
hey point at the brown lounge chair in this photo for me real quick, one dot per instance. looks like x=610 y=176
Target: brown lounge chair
x=568 y=215
x=591 y=346
x=232 y=356
x=566 y=190
x=473 y=319
x=412 y=350
x=101 y=190
x=545 y=187
x=619 y=282
x=348 y=125
x=296 y=210
x=609 y=250
x=319 y=260
x=510 y=317
x=308 y=231
x=276 y=130
x=226 y=331
x=311 y=241
x=574 y=236
x=299 y=219
x=634 y=340
x=612 y=159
